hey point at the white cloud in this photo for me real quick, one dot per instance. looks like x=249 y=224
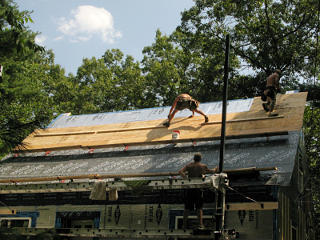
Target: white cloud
x=87 y=21
x=58 y=38
x=40 y=39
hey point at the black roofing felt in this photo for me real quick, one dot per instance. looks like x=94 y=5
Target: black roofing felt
x=275 y=151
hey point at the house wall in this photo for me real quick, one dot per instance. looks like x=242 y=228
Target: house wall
x=294 y=208
x=46 y=217
x=285 y=224
x=251 y=225
x=255 y=224
x=292 y=224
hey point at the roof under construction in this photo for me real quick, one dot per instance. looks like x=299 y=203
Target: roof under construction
x=137 y=142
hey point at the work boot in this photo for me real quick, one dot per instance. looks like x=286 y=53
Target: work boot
x=201 y=227
x=265 y=107
x=166 y=124
x=271 y=114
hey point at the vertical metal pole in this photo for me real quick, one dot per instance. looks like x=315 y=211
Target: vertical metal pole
x=224 y=103
x=221 y=194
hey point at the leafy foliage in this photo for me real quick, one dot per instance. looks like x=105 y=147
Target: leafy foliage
x=111 y=83
x=165 y=68
x=15 y=40
x=25 y=104
x=312 y=144
x=266 y=34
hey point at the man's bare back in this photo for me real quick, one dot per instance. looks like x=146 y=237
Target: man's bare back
x=273 y=80
x=197 y=169
x=269 y=94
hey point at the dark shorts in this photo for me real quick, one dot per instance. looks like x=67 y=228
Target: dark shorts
x=271 y=92
x=187 y=103
x=193 y=199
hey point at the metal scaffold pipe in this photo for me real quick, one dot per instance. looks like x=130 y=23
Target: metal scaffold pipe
x=221 y=195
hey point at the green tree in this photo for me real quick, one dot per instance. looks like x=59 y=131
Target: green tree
x=92 y=87
x=312 y=143
x=206 y=53
x=184 y=62
x=128 y=83
x=28 y=97
x=165 y=71
x=266 y=34
x=16 y=40
x=111 y=83
x=26 y=102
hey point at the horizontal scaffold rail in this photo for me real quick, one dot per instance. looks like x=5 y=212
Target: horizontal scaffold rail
x=119 y=233
x=119 y=185
x=116 y=176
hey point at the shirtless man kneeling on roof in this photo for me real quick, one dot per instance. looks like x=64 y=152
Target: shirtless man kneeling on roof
x=181 y=102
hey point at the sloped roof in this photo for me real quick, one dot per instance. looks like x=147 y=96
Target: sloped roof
x=86 y=132
x=147 y=114
x=145 y=146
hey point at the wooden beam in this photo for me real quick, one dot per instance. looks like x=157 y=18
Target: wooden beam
x=251 y=169
x=97 y=132
x=244 y=120
x=64 y=134
x=127 y=143
x=121 y=185
x=252 y=206
x=105 y=176
x=118 y=233
x=8 y=211
x=86 y=176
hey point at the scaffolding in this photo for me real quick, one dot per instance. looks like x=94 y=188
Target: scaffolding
x=216 y=183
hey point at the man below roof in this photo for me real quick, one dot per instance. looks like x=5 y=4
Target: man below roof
x=194 y=196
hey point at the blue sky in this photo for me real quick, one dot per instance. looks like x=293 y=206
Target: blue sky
x=77 y=29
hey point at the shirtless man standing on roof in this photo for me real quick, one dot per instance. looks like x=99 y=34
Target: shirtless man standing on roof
x=181 y=102
x=272 y=87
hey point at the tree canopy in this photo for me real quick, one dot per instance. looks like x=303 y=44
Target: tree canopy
x=312 y=145
x=27 y=67
x=265 y=34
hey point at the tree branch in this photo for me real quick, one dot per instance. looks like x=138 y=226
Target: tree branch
x=271 y=33
x=298 y=27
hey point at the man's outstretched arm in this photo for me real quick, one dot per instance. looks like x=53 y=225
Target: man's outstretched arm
x=183 y=171
x=214 y=170
x=173 y=105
